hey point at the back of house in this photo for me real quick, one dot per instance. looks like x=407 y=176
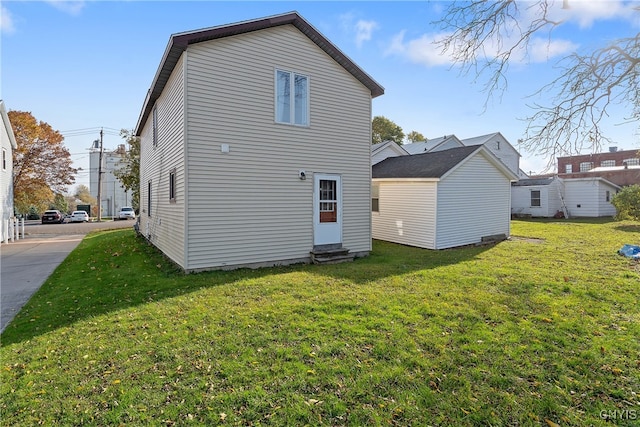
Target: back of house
x=255 y=147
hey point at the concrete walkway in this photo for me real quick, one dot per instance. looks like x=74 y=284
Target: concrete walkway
x=25 y=265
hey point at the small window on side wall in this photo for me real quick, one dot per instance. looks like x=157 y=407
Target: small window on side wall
x=375 y=198
x=172 y=186
x=4 y=159
x=149 y=199
x=535 y=198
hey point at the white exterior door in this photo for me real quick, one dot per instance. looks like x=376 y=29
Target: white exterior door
x=327 y=209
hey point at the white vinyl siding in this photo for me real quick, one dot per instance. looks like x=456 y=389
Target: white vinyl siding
x=7 y=140
x=248 y=206
x=162 y=151
x=586 y=197
x=473 y=201
x=549 y=200
x=407 y=212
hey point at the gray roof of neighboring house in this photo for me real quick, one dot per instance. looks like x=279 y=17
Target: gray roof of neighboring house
x=479 y=140
x=532 y=181
x=179 y=42
x=427 y=165
x=428 y=145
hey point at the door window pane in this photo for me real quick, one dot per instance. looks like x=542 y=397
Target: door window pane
x=328 y=201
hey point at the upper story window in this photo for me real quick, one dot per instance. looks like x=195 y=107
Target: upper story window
x=4 y=159
x=292 y=98
x=586 y=166
x=568 y=168
x=632 y=162
x=607 y=163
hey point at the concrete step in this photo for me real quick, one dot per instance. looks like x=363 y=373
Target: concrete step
x=331 y=256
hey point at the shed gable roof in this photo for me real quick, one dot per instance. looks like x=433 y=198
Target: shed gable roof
x=427 y=165
x=179 y=42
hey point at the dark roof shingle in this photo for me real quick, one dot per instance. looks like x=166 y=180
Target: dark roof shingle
x=427 y=165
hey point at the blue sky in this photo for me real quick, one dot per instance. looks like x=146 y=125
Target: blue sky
x=83 y=65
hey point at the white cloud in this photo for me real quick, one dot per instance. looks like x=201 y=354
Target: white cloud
x=6 y=21
x=421 y=50
x=364 y=31
x=541 y=50
x=72 y=7
x=586 y=12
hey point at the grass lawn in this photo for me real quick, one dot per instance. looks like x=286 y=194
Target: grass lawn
x=541 y=330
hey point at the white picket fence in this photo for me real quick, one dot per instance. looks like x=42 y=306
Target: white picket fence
x=11 y=230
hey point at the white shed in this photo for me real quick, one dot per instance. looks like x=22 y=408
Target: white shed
x=537 y=197
x=8 y=142
x=589 y=197
x=441 y=199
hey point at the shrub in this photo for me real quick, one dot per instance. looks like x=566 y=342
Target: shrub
x=627 y=203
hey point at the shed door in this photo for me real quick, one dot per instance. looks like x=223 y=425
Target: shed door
x=327 y=209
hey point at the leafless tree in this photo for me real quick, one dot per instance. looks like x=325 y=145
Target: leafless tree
x=484 y=36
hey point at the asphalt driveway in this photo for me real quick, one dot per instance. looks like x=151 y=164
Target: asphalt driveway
x=26 y=264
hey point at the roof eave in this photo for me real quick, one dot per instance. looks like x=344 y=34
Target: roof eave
x=178 y=43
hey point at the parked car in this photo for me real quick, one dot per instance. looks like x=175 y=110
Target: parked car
x=79 y=216
x=52 y=217
x=126 y=212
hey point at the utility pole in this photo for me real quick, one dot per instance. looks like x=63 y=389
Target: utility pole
x=100 y=180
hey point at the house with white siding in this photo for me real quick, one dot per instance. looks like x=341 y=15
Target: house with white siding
x=442 y=199
x=255 y=145
x=8 y=144
x=574 y=197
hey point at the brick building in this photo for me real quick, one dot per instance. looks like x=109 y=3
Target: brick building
x=621 y=167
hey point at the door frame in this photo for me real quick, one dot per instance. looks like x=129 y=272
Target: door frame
x=327 y=233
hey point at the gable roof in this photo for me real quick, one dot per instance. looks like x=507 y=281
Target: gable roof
x=427 y=165
x=376 y=148
x=179 y=42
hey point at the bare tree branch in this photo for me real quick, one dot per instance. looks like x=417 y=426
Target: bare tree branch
x=485 y=36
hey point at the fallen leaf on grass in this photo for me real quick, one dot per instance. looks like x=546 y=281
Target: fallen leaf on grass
x=551 y=423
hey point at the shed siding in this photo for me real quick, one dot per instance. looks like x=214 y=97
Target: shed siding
x=549 y=200
x=473 y=201
x=166 y=225
x=248 y=206
x=586 y=198
x=407 y=213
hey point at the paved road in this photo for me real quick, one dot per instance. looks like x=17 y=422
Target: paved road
x=26 y=264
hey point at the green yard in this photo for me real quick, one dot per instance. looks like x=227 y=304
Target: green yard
x=541 y=330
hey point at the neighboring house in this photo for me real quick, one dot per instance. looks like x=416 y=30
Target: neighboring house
x=255 y=147
x=113 y=194
x=621 y=167
x=386 y=149
x=441 y=199
x=8 y=142
x=500 y=147
x=574 y=197
x=494 y=142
